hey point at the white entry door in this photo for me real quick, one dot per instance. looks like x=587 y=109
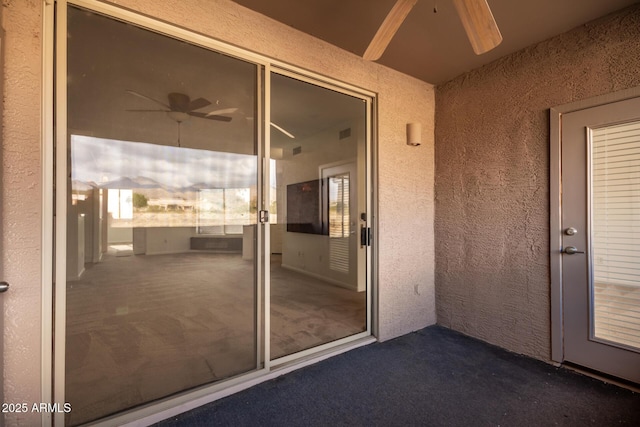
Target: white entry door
x=600 y=225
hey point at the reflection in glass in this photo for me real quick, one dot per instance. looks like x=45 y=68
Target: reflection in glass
x=318 y=267
x=339 y=223
x=160 y=296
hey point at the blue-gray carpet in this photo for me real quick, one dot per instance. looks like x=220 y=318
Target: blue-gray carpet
x=433 y=377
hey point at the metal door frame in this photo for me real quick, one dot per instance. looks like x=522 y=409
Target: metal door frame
x=555 y=207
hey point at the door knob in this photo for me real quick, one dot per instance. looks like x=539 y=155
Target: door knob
x=4 y=287
x=570 y=231
x=570 y=250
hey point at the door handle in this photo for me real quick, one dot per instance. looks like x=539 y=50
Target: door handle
x=365 y=236
x=4 y=287
x=570 y=250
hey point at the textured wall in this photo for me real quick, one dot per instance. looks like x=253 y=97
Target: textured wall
x=492 y=177
x=405 y=174
x=21 y=205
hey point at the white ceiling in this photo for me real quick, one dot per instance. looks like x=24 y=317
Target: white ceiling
x=433 y=46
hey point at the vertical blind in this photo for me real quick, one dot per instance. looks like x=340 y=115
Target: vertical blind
x=615 y=216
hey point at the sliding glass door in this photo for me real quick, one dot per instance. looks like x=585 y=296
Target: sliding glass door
x=320 y=234
x=212 y=214
x=162 y=194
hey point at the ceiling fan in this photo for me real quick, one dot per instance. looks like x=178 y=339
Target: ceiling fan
x=180 y=107
x=476 y=17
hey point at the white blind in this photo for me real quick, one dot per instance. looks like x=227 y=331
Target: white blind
x=339 y=223
x=615 y=171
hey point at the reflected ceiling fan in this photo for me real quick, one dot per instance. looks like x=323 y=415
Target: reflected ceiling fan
x=476 y=17
x=181 y=107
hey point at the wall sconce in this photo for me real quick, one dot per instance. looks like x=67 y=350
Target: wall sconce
x=414 y=134
x=277 y=153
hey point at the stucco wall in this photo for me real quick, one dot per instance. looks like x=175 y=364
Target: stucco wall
x=405 y=174
x=492 y=177
x=21 y=205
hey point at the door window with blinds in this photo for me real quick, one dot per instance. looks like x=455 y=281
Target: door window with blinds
x=615 y=222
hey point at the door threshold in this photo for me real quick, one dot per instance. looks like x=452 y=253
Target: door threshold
x=290 y=363
x=609 y=379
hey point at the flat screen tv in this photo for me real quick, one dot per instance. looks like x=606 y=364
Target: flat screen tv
x=304 y=208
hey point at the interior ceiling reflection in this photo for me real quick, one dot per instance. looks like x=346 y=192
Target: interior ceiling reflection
x=138 y=60
x=137 y=69
x=305 y=109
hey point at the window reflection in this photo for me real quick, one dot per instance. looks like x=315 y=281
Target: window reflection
x=151 y=185
x=158 y=127
x=318 y=265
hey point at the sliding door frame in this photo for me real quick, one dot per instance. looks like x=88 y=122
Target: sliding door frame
x=55 y=168
x=368 y=100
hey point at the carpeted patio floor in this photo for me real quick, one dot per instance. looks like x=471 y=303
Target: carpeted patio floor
x=433 y=377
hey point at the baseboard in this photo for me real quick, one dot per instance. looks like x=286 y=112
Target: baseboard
x=319 y=277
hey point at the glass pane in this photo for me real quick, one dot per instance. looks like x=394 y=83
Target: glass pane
x=616 y=233
x=162 y=186
x=318 y=267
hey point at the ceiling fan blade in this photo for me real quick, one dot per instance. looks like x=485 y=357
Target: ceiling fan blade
x=388 y=29
x=223 y=111
x=179 y=102
x=478 y=22
x=212 y=117
x=199 y=103
x=134 y=93
x=282 y=130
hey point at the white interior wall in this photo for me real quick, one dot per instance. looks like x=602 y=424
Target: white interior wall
x=309 y=253
x=404 y=174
